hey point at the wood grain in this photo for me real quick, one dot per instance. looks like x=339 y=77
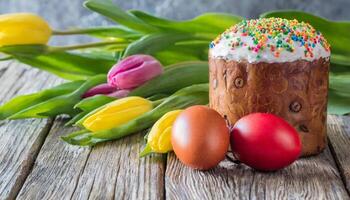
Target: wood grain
x=20 y=141
x=308 y=178
x=108 y=171
x=57 y=168
x=115 y=171
x=339 y=140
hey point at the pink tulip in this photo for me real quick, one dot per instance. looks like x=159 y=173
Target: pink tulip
x=119 y=93
x=103 y=88
x=106 y=89
x=133 y=71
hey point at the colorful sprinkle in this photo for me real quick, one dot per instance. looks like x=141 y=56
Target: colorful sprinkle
x=275 y=34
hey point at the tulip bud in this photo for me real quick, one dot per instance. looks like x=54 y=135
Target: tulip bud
x=117 y=113
x=23 y=28
x=103 y=88
x=119 y=93
x=133 y=71
x=106 y=89
x=192 y=95
x=159 y=138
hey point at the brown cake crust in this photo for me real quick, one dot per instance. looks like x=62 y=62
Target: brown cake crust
x=296 y=91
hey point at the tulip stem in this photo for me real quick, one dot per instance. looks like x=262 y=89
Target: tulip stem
x=71 y=32
x=90 y=45
x=158 y=102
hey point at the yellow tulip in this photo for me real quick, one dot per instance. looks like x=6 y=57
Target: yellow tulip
x=23 y=28
x=159 y=138
x=117 y=113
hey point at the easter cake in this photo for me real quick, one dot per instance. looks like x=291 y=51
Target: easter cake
x=276 y=66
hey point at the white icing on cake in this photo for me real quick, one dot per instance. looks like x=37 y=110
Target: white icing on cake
x=301 y=42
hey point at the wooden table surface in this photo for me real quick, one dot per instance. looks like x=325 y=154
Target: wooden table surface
x=36 y=164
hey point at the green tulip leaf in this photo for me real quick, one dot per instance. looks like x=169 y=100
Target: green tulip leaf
x=338 y=103
x=113 y=12
x=22 y=102
x=68 y=65
x=63 y=104
x=91 y=103
x=339 y=92
x=156 y=42
x=212 y=23
x=174 y=78
x=183 y=51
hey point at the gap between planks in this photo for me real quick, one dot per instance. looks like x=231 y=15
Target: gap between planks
x=123 y=173
x=315 y=177
x=339 y=167
x=4 y=65
x=339 y=142
x=110 y=170
x=29 y=162
x=123 y=184
x=119 y=173
x=20 y=140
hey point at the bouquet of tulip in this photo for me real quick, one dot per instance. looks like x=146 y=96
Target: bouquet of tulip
x=143 y=71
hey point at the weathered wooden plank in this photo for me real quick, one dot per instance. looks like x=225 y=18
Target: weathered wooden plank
x=309 y=178
x=108 y=171
x=315 y=177
x=339 y=140
x=57 y=168
x=226 y=181
x=20 y=140
x=114 y=171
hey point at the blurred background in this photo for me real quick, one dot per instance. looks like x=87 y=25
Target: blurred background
x=63 y=14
